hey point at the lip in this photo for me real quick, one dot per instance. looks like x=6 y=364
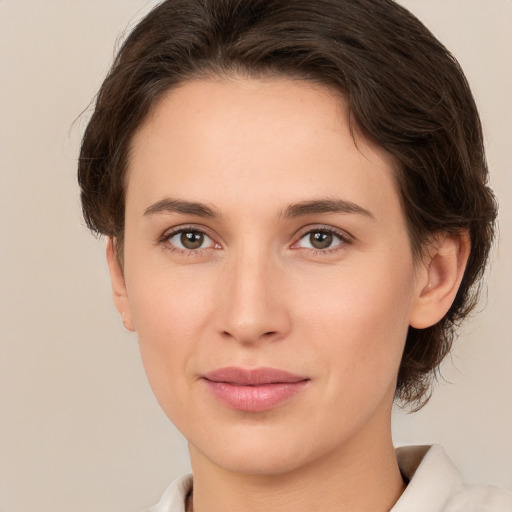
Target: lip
x=253 y=390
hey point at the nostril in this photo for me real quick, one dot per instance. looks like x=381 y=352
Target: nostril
x=267 y=334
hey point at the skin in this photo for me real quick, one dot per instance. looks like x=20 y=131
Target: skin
x=258 y=293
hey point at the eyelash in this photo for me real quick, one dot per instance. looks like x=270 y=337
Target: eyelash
x=343 y=240
x=167 y=236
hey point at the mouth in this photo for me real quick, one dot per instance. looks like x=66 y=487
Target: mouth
x=253 y=390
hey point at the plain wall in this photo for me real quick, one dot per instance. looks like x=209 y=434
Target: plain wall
x=79 y=427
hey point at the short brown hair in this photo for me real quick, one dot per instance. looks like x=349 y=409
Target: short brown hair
x=404 y=90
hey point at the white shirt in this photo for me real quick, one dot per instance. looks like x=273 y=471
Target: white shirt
x=435 y=485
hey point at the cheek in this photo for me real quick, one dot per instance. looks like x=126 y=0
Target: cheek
x=170 y=312
x=359 y=322
x=166 y=302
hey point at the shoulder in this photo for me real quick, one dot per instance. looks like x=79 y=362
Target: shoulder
x=435 y=485
x=481 y=498
x=173 y=499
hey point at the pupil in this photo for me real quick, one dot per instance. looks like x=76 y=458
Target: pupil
x=320 y=239
x=192 y=239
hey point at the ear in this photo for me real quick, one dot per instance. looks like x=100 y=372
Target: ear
x=439 y=277
x=119 y=293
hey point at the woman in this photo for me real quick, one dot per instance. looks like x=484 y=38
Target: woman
x=296 y=204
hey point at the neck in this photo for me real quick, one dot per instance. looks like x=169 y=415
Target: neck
x=350 y=479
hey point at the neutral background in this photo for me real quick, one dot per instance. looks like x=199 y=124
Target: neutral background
x=79 y=428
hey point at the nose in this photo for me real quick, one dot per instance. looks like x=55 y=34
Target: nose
x=254 y=305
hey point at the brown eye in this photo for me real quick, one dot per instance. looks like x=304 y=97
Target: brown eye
x=192 y=239
x=321 y=239
x=189 y=240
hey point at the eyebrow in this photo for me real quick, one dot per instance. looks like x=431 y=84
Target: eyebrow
x=304 y=208
x=325 y=206
x=169 y=205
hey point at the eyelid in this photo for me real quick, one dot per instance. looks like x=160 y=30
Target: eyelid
x=345 y=238
x=171 y=232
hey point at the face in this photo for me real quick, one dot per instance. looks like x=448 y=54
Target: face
x=268 y=273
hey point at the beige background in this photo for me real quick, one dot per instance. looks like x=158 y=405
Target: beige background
x=79 y=428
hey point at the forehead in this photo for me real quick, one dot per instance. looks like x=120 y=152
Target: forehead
x=281 y=139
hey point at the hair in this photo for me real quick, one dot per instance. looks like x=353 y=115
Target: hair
x=404 y=90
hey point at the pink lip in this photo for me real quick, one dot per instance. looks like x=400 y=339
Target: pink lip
x=255 y=390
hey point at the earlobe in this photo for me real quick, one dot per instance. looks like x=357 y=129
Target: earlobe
x=440 y=278
x=119 y=293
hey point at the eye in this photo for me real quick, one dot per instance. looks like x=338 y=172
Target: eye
x=189 y=240
x=321 y=240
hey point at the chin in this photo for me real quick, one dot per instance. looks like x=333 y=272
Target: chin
x=256 y=460
x=265 y=451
